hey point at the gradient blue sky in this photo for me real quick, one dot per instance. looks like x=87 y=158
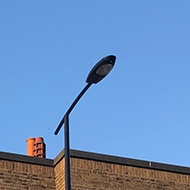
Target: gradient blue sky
x=141 y=110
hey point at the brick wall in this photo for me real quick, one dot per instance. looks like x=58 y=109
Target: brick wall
x=90 y=171
x=91 y=175
x=17 y=175
x=60 y=175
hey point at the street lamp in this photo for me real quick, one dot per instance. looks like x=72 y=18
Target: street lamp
x=97 y=73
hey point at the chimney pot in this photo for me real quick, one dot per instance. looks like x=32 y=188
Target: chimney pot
x=36 y=147
x=30 y=146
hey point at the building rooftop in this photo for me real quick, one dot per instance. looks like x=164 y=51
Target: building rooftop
x=95 y=157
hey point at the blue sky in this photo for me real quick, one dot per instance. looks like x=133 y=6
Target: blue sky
x=141 y=110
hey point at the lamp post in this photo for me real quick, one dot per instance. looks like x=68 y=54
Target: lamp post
x=97 y=73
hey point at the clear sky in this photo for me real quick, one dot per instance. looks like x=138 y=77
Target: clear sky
x=140 y=110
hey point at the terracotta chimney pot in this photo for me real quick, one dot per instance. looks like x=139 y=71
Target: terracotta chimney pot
x=39 y=140
x=30 y=146
x=36 y=147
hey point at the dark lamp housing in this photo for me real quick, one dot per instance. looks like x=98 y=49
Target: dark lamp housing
x=101 y=69
x=104 y=70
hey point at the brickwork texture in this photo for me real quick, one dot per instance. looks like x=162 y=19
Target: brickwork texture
x=91 y=175
x=23 y=176
x=88 y=174
x=60 y=175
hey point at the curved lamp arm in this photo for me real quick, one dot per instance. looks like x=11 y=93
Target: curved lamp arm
x=71 y=107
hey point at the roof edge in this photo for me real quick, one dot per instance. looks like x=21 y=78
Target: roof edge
x=124 y=161
x=96 y=157
x=26 y=159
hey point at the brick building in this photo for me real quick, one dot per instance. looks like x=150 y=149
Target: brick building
x=90 y=171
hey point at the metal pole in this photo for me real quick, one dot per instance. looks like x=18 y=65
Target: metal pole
x=67 y=154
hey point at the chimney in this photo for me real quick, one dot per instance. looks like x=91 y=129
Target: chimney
x=36 y=147
x=30 y=146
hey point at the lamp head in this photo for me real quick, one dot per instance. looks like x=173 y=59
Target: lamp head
x=101 y=69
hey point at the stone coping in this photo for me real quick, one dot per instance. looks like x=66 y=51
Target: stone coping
x=95 y=157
